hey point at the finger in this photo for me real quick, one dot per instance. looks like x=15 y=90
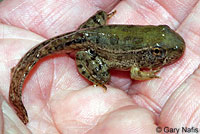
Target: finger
x=50 y=18
x=93 y=111
x=182 y=109
x=144 y=12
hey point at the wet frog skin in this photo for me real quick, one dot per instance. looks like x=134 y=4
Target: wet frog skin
x=99 y=48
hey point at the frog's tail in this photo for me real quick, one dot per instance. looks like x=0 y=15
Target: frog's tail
x=65 y=43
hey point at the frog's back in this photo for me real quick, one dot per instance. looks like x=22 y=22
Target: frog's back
x=126 y=37
x=124 y=45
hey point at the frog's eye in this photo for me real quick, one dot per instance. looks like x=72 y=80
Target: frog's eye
x=157 y=51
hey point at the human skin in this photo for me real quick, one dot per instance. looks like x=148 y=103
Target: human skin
x=59 y=100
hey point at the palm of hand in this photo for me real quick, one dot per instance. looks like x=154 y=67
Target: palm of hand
x=55 y=95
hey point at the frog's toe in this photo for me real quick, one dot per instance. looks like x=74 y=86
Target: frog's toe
x=101 y=85
x=154 y=76
x=137 y=74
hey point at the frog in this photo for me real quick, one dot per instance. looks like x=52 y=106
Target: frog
x=141 y=49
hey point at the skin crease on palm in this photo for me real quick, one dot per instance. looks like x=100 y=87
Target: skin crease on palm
x=59 y=100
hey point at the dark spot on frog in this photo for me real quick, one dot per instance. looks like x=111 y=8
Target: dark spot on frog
x=92 y=52
x=114 y=40
x=87 y=63
x=125 y=29
x=80 y=66
x=59 y=47
x=100 y=67
x=83 y=72
x=105 y=74
x=94 y=73
x=97 y=40
x=93 y=58
x=119 y=57
x=127 y=38
x=68 y=43
x=137 y=40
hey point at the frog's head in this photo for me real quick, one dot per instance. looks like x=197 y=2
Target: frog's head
x=169 y=49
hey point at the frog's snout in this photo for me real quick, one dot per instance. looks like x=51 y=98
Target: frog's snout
x=179 y=48
x=180 y=45
x=176 y=51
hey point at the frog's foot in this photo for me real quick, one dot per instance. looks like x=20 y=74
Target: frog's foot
x=101 y=85
x=98 y=19
x=137 y=74
x=91 y=66
x=111 y=14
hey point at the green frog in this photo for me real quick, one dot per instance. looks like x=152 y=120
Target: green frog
x=99 y=47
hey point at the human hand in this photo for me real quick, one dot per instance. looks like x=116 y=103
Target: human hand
x=59 y=100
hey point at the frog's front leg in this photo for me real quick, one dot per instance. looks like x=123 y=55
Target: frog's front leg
x=98 y=19
x=137 y=74
x=92 y=67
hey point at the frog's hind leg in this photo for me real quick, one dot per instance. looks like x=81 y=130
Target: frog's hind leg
x=97 y=19
x=92 y=67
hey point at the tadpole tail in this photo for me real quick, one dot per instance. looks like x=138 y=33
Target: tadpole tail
x=63 y=43
x=18 y=75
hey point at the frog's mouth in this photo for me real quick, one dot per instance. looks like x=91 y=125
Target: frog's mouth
x=170 y=60
x=166 y=61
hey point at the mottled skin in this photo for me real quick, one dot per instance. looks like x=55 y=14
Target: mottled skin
x=100 y=48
